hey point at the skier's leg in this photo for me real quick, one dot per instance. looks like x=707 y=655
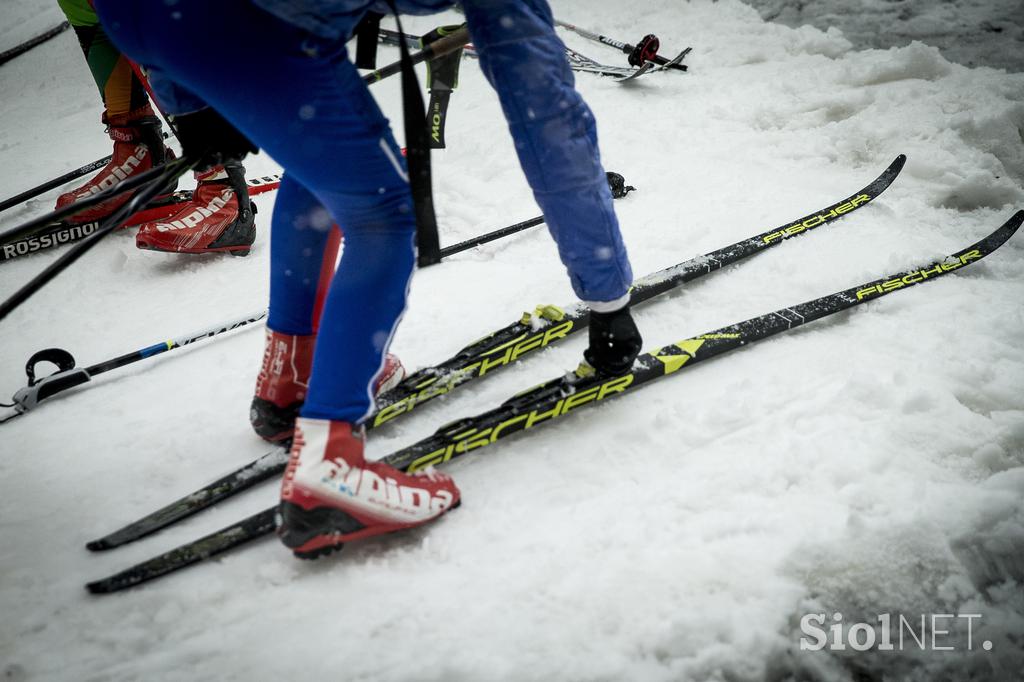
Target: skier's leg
x=121 y=90
x=218 y=218
x=131 y=122
x=556 y=139
x=321 y=124
x=303 y=252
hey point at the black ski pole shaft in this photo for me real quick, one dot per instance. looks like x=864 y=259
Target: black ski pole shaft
x=56 y=182
x=158 y=184
x=438 y=48
x=18 y=50
x=490 y=236
x=616 y=183
x=171 y=344
x=46 y=222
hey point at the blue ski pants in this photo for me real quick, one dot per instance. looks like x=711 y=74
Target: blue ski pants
x=286 y=82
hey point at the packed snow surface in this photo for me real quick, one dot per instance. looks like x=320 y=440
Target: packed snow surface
x=872 y=463
x=22 y=20
x=969 y=32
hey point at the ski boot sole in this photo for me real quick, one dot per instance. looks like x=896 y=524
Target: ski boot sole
x=313 y=533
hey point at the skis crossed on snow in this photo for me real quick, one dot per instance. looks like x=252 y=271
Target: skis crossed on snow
x=553 y=399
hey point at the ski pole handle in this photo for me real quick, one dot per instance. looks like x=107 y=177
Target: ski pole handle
x=33 y=394
x=69 y=376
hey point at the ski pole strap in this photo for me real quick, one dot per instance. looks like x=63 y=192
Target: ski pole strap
x=437 y=116
x=417 y=144
x=57 y=356
x=442 y=78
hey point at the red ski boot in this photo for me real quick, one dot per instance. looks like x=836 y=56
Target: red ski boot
x=284 y=379
x=219 y=217
x=138 y=146
x=331 y=494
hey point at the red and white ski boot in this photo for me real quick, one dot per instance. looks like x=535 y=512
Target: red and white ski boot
x=331 y=495
x=284 y=379
x=219 y=217
x=138 y=146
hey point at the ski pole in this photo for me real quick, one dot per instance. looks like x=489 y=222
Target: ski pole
x=624 y=47
x=18 y=50
x=68 y=376
x=56 y=182
x=168 y=174
x=389 y=37
x=490 y=236
x=616 y=183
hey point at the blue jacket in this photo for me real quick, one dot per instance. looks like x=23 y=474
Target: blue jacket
x=333 y=19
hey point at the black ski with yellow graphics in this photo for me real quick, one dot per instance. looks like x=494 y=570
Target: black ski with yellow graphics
x=550 y=324
x=575 y=390
x=545 y=326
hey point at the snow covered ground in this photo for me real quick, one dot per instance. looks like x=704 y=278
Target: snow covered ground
x=869 y=464
x=23 y=20
x=968 y=32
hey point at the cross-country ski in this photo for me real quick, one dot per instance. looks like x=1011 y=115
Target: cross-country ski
x=558 y=397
